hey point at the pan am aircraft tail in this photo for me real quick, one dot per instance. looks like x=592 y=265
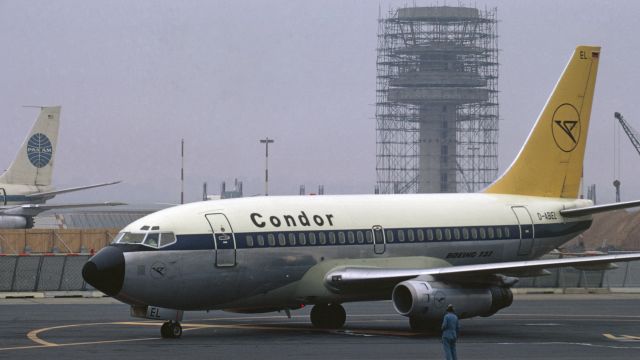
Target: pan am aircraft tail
x=33 y=165
x=26 y=185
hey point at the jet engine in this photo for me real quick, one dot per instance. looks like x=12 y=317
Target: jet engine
x=428 y=300
x=15 y=222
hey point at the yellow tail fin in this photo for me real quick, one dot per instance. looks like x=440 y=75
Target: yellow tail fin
x=550 y=162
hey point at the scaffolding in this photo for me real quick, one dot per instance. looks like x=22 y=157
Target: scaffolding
x=437 y=100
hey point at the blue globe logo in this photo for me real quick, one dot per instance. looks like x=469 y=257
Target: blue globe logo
x=39 y=150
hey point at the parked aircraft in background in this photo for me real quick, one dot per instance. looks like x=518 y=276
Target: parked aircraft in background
x=26 y=185
x=423 y=251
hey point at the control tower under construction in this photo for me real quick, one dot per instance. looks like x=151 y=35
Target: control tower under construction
x=437 y=100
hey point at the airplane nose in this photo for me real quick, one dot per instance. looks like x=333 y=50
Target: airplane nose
x=105 y=270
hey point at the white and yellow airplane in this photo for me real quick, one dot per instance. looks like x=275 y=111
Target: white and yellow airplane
x=26 y=185
x=422 y=251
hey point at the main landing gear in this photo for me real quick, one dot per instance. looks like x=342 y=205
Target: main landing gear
x=328 y=316
x=171 y=330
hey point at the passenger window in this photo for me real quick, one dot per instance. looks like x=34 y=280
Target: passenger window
x=323 y=238
x=499 y=232
x=360 y=237
x=302 y=239
x=474 y=233
x=456 y=234
x=483 y=233
x=332 y=238
x=341 y=237
x=490 y=232
x=438 y=234
x=271 y=239
x=152 y=240
x=410 y=235
x=249 y=240
x=167 y=238
x=292 y=239
x=282 y=240
x=351 y=237
x=447 y=234
x=389 y=236
x=465 y=233
x=260 y=240
x=506 y=232
x=369 y=237
x=420 y=235
x=312 y=238
x=430 y=235
x=401 y=235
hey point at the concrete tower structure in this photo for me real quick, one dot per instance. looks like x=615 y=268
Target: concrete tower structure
x=437 y=107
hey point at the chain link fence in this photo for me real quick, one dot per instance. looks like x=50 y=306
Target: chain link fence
x=28 y=273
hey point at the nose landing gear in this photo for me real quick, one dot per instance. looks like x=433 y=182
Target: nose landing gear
x=171 y=330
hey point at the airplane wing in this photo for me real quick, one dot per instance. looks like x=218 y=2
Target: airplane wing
x=50 y=194
x=35 y=209
x=344 y=278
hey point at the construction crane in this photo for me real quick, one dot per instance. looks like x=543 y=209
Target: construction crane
x=633 y=136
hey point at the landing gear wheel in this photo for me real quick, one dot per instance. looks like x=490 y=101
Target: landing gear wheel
x=328 y=316
x=421 y=325
x=171 y=330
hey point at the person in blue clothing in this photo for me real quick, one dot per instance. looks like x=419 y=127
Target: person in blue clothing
x=450 y=329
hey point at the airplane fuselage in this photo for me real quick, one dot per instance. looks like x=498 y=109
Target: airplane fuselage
x=271 y=252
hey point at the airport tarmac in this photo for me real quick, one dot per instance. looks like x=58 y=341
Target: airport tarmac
x=535 y=327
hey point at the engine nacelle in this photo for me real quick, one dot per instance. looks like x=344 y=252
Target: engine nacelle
x=428 y=300
x=14 y=222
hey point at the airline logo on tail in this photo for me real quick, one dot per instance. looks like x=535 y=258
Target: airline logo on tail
x=39 y=150
x=565 y=127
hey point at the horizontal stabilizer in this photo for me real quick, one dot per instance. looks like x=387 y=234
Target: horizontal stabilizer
x=35 y=209
x=598 y=208
x=50 y=194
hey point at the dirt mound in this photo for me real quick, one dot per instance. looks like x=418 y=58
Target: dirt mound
x=614 y=230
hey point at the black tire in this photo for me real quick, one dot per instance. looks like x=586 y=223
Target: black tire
x=176 y=330
x=328 y=316
x=164 y=331
x=319 y=315
x=337 y=316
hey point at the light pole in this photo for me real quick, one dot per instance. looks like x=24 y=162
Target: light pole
x=266 y=141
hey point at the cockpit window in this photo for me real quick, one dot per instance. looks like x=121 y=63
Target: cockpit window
x=167 y=238
x=132 y=238
x=152 y=239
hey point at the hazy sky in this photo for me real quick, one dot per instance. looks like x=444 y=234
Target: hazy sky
x=134 y=77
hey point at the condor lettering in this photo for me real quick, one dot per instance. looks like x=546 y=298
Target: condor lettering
x=302 y=219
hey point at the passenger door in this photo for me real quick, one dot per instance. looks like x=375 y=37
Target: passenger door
x=224 y=240
x=525 y=224
x=378 y=239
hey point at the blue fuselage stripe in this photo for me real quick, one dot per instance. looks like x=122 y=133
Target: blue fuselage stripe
x=350 y=237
